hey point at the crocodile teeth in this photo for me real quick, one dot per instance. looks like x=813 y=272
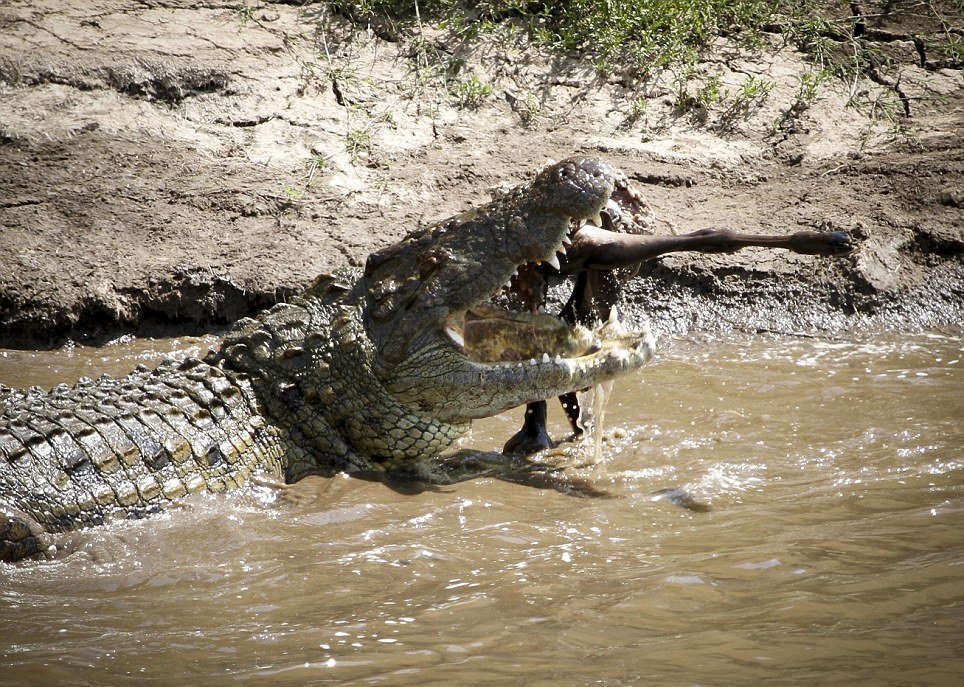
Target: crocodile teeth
x=613 y=315
x=595 y=220
x=545 y=357
x=455 y=335
x=648 y=342
x=567 y=240
x=554 y=261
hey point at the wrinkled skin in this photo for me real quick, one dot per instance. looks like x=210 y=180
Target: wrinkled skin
x=366 y=372
x=608 y=252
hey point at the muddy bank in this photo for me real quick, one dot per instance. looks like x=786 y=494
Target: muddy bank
x=177 y=164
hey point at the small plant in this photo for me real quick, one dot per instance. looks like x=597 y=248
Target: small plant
x=529 y=109
x=712 y=93
x=244 y=14
x=423 y=52
x=878 y=106
x=358 y=142
x=470 y=93
x=698 y=105
x=810 y=83
x=290 y=193
x=751 y=96
x=386 y=117
x=345 y=75
x=315 y=164
x=755 y=90
x=637 y=111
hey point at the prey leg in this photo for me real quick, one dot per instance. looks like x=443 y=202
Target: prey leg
x=533 y=437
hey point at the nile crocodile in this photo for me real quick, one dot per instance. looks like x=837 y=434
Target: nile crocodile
x=366 y=372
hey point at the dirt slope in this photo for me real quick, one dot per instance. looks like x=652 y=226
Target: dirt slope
x=178 y=163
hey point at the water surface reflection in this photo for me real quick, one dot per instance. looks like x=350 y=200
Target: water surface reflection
x=833 y=551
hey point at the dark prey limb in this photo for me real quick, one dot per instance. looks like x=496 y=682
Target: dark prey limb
x=598 y=249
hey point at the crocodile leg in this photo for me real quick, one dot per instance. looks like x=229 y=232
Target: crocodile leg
x=20 y=536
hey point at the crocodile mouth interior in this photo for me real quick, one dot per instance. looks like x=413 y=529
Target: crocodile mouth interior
x=488 y=333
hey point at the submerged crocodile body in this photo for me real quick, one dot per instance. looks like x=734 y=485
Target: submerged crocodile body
x=366 y=372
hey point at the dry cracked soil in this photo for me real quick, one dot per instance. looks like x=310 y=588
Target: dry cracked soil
x=168 y=165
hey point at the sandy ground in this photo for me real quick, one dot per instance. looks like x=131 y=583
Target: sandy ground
x=176 y=164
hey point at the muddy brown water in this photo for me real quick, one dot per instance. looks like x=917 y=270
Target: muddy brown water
x=833 y=551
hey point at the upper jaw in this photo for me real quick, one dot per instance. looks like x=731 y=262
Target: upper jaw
x=624 y=212
x=554 y=256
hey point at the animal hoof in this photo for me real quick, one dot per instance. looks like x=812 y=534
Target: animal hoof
x=525 y=443
x=841 y=243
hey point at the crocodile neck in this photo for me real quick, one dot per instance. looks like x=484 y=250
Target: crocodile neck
x=312 y=365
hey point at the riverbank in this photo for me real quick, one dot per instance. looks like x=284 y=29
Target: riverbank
x=175 y=166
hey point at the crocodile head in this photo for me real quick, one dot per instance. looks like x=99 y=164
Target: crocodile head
x=420 y=290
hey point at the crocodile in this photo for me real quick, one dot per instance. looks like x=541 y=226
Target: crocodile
x=367 y=372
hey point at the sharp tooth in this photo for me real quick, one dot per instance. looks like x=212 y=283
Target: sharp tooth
x=557 y=359
x=533 y=361
x=554 y=261
x=545 y=357
x=515 y=272
x=596 y=220
x=455 y=335
x=613 y=314
x=566 y=240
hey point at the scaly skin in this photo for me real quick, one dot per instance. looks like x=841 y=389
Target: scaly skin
x=366 y=372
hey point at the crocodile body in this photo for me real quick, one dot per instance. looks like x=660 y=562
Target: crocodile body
x=366 y=372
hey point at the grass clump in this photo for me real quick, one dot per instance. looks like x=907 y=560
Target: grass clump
x=640 y=41
x=646 y=36
x=643 y=36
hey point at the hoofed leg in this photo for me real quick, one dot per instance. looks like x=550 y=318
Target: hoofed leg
x=533 y=437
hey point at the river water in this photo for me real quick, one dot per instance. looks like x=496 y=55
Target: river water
x=815 y=536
